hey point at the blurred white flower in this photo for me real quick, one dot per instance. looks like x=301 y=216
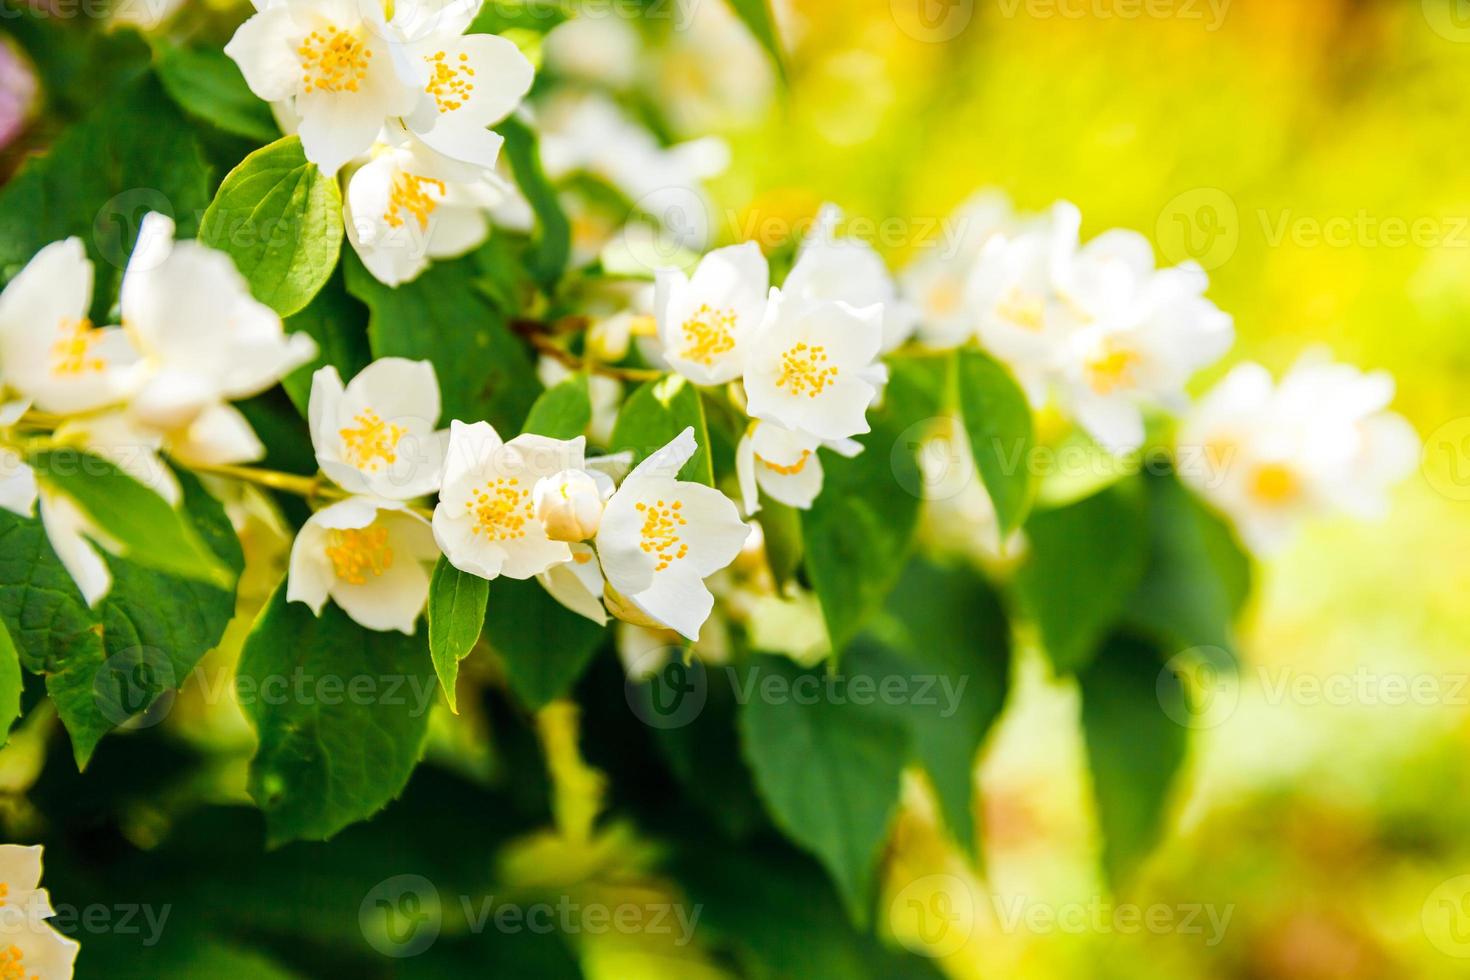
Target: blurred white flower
x=935 y=282
x=1271 y=455
x=661 y=537
x=376 y=435
x=369 y=556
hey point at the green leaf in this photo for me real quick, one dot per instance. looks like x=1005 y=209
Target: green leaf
x=1197 y=576
x=146 y=529
x=456 y=616
x=758 y=19
x=562 y=412
x=545 y=646
x=75 y=57
x=1134 y=746
x=944 y=628
x=781 y=526
x=858 y=532
x=520 y=15
x=108 y=664
x=280 y=219
x=484 y=371
x=998 y=422
x=1084 y=563
x=657 y=412
x=340 y=713
x=552 y=243
x=338 y=324
x=828 y=770
x=208 y=85
x=10 y=683
x=133 y=154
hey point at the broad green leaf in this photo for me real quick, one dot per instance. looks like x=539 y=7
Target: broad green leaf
x=551 y=245
x=657 y=412
x=998 y=422
x=858 y=533
x=484 y=371
x=1085 y=561
x=338 y=324
x=133 y=154
x=10 y=683
x=146 y=529
x=758 y=19
x=562 y=412
x=1134 y=746
x=456 y=614
x=76 y=58
x=544 y=645
x=1197 y=576
x=828 y=770
x=340 y=713
x=280 y=219
x=944 y=629
x=108 y=664
x=207 y=84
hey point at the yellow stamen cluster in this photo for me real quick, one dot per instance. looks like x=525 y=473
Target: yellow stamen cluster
x=410 y=193
x=1275 y=484
x=12 y=964
x=791 y=469
x=333 y=60
x=357 y=551
x=660 y=534
x=946 y=296
x=1110 y=370
x=449 y=83
x=708 y=333
x=804 y=370
x=1023 y=309
x=72 y=354
x=373 y=443
x=501 y=509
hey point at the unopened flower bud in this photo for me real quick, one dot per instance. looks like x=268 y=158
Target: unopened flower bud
x=569 y=505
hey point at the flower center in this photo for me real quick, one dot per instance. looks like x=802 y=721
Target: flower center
x=708 y=334
x=72 y=354
x=357 y=551
x=1275 y=484
x=501 y=509
x=373 y=442
x=1111 y=370
x=333 y=60
x=804 y=370
x=449 y=83
x=12 y=964
x=1025 y=310
x=410 y=193
x=660 y=534
x=945 y=297
x=791 y=469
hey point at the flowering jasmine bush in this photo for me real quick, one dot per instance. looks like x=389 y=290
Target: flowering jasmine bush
x=527 y=475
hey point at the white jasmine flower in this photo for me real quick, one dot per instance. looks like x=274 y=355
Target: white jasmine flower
x=813 y=366
x=1270 y=456
x=1012 y=293
x=29 y=946
x=486 y=519
x=407 y=205
x=784 y=464
x=569 y=504
x=369 y=556
x=935 y=281
x=17 y=483
x=50 y=353
x=21 y=893
x=336 y=64
x=472 y=81
x=661 y=537
x=705 y=320
x=376 y=436
x=71 y=534
x=849 y=270
x=577 y=584
x=205 y=340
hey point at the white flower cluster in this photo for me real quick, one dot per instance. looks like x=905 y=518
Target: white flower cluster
x=807 y=353
x=29 y=945
x=528 y=507
x=192 y=340
x=402 y=102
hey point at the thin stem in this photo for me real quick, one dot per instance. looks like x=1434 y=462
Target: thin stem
x=309 y=487
x=547 y=346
